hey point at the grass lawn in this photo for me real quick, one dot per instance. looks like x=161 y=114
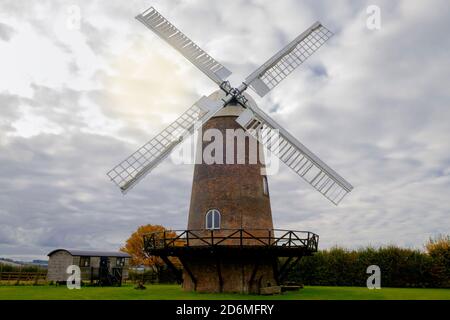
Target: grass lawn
x=174 y=292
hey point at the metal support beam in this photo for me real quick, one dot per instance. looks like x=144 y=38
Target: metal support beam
x=219 y=273
x=191 y=275
x=286 y=268
x=253 y=275
x=172 y=267
x=275 y=270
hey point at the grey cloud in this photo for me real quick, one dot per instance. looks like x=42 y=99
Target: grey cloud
x=9 y=104
x=67 y=200
x=96 y=39
x=6 y=32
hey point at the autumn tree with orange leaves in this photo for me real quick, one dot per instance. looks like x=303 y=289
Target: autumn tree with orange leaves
x=134 y=246
x=438 y=248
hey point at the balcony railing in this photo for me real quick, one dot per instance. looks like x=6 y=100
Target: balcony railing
x=231 y=237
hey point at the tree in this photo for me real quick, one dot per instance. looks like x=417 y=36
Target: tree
x=400 y=267
x=438 y=249
x=134 y=246
x=439 y=245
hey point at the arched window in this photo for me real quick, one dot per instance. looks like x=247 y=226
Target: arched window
x=265 y=186
x=213 y=219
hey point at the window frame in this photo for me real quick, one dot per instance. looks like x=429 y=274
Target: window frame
x=85 y=259
x=215 y=215
x=121 y=260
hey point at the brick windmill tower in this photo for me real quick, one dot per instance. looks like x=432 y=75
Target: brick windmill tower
x=230 y=244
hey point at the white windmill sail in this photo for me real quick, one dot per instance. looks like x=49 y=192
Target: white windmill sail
x=127 y=173
x=169 y=33
x=271 y=73
x=286 y=147
x=294 y=154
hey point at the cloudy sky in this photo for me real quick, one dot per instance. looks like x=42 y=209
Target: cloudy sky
x=374 y=104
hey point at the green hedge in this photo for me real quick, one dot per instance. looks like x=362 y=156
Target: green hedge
x=163 y=276
x=399 y=267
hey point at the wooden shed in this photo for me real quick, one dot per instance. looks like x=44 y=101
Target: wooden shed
x=104 y=268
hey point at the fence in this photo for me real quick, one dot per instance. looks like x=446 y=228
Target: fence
x=232 y=237
x=24 y=277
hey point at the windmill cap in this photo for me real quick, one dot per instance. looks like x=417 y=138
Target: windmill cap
x=232 y=109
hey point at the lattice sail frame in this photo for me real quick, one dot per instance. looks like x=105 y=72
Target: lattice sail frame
x=178 y=40
x=271 y=73
x=127 y=173
x=294 y=154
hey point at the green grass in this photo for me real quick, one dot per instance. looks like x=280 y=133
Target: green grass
x=174 y=292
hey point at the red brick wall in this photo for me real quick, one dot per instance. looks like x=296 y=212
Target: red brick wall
x=236 y=190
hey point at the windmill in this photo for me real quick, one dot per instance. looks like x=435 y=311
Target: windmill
x=230 y=244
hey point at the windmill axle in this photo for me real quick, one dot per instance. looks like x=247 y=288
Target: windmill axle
x=234 y=95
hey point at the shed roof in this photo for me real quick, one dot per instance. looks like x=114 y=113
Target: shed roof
x=87 y=253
